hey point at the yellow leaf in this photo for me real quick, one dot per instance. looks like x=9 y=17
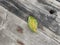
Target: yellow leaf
x=32 y=23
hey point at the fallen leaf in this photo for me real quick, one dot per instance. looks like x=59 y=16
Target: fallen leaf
x=32 y=23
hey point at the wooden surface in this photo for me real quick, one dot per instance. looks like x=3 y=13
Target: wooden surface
x=10 y=35
x=14 y=29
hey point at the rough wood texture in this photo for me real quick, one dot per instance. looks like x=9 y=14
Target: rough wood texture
x=40 y=10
